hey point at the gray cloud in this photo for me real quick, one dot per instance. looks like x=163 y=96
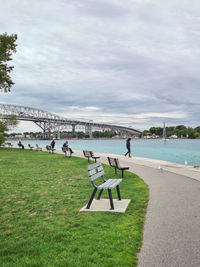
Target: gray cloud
x=137 y=62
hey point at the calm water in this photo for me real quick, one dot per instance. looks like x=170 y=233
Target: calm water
x=172 y=150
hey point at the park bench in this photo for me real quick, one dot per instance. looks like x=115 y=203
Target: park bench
x=197 y=166
x=90 y=154
x=67 y=151
x=30 y=147
x=114 y=162
x=37 y=148
x=9 y=144
x=50 y=149
x=96 y=171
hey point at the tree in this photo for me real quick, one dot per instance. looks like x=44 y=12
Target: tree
x=156 y=130
x=192 y=133
x=7 y=47
x=6 y=125
x=198 y=129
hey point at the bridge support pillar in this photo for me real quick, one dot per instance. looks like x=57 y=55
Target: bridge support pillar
x=56 y=134
x=44 y=134
x=88 y=130
x=73 y=129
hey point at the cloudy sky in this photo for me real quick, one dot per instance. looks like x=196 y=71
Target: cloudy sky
x=133 y=63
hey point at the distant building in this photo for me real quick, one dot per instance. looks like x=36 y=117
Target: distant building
x=173 y=136
x=19 y=136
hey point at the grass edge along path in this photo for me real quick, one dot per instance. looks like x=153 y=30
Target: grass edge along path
x=40 y=223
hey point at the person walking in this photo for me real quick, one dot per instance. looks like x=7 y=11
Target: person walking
x=128 y=146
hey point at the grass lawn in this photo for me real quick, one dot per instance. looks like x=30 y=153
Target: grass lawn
x=40 y=224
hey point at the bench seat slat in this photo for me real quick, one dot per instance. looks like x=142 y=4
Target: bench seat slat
x=123 y=168
x=110 y=184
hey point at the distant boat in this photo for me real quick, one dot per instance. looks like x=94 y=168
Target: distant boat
x=164 y=133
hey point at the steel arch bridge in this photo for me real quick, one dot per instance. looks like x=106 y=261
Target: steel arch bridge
x=50 y=122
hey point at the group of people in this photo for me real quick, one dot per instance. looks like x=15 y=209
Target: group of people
x=66 y=144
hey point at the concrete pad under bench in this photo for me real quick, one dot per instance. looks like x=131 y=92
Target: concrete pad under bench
x=104 y=205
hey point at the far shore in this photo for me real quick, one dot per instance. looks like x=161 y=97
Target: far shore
x=123 y=138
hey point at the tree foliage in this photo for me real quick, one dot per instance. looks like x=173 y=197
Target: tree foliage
x=7 y=47
x=106 y=134
x=180 y=131
x=5 y=125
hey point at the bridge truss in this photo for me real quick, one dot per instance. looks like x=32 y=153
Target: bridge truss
x=50 y=122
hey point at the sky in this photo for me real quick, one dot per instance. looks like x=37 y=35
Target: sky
x=130 y=63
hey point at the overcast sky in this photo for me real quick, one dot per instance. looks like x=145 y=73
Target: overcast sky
x=133 y=63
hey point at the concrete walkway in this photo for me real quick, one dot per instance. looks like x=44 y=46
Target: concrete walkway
x=172 y=227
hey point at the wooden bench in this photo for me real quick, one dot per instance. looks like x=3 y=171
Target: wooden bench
x=90 y=154
x=50 y=149
x=37 y=148
x=114 y=162
x=67 y=151
x=96 y=171
x=30 y=147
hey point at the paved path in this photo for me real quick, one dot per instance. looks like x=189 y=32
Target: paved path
x=172 y=227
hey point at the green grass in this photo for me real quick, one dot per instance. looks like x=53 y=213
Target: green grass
x=40 y=224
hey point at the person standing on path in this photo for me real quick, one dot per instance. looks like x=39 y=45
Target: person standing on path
x=128 y=146
x=53 y=143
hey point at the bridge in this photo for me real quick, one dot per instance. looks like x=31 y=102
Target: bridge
x=50 y=122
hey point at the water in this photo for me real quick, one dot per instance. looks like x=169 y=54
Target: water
x=176 y=151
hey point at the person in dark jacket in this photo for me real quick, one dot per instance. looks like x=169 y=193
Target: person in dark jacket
x=53 y=143
x=128 y=146
x=20 y=144
x=66 y=144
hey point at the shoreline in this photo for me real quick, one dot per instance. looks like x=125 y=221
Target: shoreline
x=160 y=165
x=178 y=151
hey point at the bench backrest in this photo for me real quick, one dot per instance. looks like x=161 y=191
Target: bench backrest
x=117 y=163
x=112 y=162
x=87 y=153
x=95 y=171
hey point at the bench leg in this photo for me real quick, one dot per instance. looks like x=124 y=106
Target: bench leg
x=91 y=199
x=122 y=173
x=115 y=170
x=99 y=195
x=111 y=199
x=118 y=192
x=88 y=160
